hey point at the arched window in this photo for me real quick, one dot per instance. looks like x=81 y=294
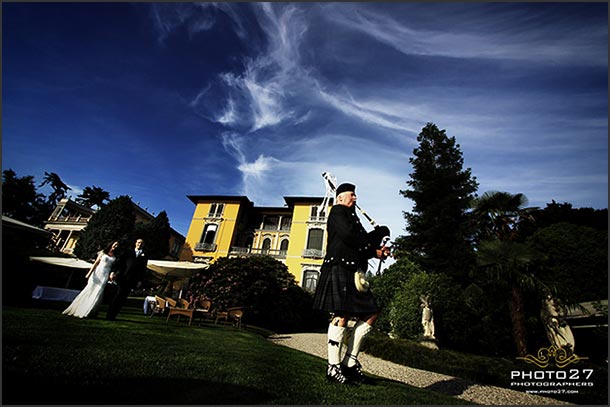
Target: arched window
x=266 y=245
x=284 y=245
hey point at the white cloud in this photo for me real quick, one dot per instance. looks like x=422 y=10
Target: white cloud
x=532 y=43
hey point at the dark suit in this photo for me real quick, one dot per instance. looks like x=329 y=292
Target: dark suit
x=129 y=270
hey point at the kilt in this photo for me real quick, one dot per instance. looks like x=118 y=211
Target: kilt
x=336 y=293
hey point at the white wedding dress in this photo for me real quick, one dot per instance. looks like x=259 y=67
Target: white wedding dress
x=88 y=300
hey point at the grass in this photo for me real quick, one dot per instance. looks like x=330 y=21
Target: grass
x=49 y=358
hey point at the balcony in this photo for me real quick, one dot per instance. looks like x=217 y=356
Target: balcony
x=313 y=254
x=246 y=251
x=205 y=247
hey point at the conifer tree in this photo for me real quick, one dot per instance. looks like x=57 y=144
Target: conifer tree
x=156 y=236
x=115 y=221
x=440 y=232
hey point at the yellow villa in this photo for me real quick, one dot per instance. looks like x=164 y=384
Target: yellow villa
x=231 y=226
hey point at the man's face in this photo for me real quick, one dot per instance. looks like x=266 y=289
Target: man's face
x=347 y=198
x=139 y=244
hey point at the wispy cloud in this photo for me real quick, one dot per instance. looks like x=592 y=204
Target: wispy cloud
x=375 y=113
x=532 y=42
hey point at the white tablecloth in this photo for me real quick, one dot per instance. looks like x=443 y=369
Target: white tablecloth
x=54 y=293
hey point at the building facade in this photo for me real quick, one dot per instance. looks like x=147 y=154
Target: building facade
x=231 y=226
x=70 y=218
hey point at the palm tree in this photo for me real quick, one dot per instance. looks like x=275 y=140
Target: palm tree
x=498 y=213
x=506 y=262
x=58 y=186
x=93 y=196
x=502 y=258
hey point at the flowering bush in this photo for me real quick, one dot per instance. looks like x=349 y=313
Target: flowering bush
x=261 y=284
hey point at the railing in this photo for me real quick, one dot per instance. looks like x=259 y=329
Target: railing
x=318 y=219
x=71 y=219
x=246 y=251
x=313 y=253
x=205 y=247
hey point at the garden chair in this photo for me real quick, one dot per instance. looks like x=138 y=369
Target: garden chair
x=232 y=315
x=203 y=310
x=181 y=308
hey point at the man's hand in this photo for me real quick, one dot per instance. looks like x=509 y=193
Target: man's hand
x=111 y=276
x=383 y=253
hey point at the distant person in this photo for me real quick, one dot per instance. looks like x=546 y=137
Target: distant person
x=130 y=270
x=89 y=299
x=348 y=249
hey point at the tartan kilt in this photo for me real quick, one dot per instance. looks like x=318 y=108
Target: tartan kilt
x=336 y=293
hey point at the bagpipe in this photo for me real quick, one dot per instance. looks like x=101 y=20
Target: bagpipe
x=378 y=237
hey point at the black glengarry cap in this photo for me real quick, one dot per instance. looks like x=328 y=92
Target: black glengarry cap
x=345 y=187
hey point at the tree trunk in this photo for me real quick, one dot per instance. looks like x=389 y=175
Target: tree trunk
x=517 y=318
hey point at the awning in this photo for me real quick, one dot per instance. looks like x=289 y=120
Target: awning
x=177 y=269
x=15 y=224
x=63 y=261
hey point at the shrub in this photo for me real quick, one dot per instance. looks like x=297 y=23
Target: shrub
x=444 y=300
x=262 y=284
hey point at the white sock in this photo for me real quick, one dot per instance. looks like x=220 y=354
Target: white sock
x=335 y=340
x=355 y=340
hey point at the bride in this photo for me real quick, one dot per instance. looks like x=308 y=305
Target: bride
x=87 y=301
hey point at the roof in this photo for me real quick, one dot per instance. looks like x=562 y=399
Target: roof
x=214 y=198
x=16 y=224
x=292 y=200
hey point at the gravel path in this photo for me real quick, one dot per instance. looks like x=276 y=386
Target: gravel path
x=315 y=344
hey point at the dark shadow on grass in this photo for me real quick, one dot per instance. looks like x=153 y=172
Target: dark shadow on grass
x=84 y=391
x=451 y=387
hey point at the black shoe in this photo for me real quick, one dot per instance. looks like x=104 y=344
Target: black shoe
x=334 y=374
x=354 y=373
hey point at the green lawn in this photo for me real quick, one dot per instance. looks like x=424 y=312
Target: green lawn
x=48 y=358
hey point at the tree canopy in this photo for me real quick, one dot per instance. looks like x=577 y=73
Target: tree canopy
x=21 y=201
x=439 y=229
x=115 y=221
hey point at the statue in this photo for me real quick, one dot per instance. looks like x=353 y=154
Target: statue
x=553 y=315
x=427 y=318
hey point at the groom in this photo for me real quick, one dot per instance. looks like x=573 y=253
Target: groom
x=131 y=269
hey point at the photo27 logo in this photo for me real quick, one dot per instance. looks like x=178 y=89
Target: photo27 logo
x=552 y=381
x=560 y=356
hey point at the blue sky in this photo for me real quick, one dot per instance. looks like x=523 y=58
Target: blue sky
x=164 y=100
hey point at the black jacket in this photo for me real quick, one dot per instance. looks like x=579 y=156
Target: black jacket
x=349 y=244
x=131 y=269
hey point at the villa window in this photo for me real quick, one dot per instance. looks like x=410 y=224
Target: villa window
x=310 y=280
x=315 y=215
x=284 y=245
x=216 y=210
x=271 y=223
x=208 y=238
x=286 y=223
x=266 y=245
x=315 y=239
